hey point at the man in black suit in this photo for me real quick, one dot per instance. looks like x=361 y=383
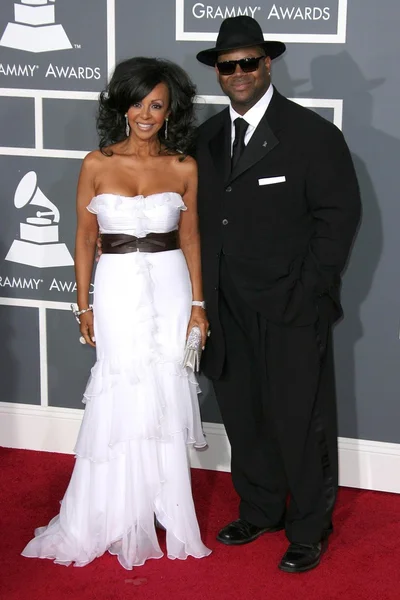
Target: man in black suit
x=278 y=206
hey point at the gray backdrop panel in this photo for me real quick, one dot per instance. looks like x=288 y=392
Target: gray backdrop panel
x=57 y=180
x=69 y=362
x=294 y=19
x=83 y=66
x=19 y=355
x=68 y=124
x=17 y=127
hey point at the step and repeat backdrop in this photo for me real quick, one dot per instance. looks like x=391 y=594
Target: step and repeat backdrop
x=55 y=57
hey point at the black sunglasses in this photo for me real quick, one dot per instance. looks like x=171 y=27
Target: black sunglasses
x=247 y=65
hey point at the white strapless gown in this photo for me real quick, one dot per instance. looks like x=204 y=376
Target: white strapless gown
x=141 y=404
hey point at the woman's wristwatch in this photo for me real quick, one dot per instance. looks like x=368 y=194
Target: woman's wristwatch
x=200 y=303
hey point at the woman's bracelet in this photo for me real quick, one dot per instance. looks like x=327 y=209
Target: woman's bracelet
x=200 y=303
x=78 y=313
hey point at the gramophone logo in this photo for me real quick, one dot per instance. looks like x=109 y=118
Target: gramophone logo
x=35 y=28
x=39 y=245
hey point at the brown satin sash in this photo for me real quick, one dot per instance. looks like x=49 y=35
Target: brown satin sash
x=121 y=243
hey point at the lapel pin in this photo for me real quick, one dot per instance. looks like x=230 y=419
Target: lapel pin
x=265 y=144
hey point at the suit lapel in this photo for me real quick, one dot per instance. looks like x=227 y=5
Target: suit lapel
x=263 y=140
x=220 y=146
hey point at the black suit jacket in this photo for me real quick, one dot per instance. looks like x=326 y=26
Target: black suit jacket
x=285 y=240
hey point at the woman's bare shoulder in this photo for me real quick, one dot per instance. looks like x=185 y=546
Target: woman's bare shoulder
x=93 y=159
x=186 y=164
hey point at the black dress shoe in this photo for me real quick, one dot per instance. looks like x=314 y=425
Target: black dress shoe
x=302 y=557
x=243 y=532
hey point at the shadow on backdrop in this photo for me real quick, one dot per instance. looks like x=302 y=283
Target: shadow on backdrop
x=375 y=155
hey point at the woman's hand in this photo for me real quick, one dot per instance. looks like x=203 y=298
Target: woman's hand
x=198 y=318
x=86 y=327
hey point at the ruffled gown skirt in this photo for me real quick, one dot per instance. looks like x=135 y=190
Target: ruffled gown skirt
x=141 y=414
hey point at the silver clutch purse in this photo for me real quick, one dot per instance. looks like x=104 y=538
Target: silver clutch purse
x=193 y=349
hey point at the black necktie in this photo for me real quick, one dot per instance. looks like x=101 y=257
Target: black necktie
x=238 y=145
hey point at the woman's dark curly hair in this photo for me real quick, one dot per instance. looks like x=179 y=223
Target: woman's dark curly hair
x=133 y=80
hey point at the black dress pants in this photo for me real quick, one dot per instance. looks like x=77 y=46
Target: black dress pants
x=277 y=400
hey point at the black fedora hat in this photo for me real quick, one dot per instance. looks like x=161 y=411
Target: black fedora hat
x=239 y=32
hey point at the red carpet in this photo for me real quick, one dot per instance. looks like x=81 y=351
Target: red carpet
x=361 y=563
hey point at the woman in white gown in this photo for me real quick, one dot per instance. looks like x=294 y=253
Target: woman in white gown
x=139 y=192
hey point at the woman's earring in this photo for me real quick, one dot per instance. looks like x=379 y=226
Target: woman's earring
x=166 y=128
x=127 y=128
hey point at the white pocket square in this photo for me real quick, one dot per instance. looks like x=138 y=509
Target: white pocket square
x=270 y=180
